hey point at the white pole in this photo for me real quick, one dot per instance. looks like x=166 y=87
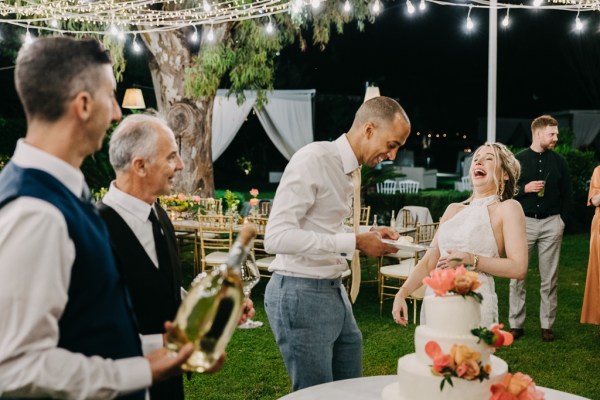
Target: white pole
x=492 y=71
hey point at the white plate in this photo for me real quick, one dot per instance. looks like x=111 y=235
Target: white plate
x=403 y=245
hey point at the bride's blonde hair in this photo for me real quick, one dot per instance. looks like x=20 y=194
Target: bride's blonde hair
x=509 y=167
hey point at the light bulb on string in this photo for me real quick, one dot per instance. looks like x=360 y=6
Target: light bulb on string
x=537 y=3
x=121 y=35
x=54 y=23
x=422 y=5
x=210 y=36
x=269 y=28
x=315 y=4
x=297 y=6
x=376 y=7
x=194 y=37
x=347 y=6
x=135 y=46
x=578 y=23
x=409 y=7
x=506 y=19
x=470 y=25
x=113 y=30
x=28 y=38
x=206 y=6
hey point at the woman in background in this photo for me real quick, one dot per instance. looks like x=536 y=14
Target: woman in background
x=590 y=311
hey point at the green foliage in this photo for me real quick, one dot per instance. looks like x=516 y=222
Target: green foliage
x=3 y=160
x=245 y=60
x=229 y=197
x=96 y=168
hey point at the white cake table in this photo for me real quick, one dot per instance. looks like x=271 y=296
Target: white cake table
x=370 y=388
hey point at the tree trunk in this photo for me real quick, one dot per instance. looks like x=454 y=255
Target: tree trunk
x=190 y=119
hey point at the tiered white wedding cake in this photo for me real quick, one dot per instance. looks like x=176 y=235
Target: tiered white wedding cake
x=451 y=362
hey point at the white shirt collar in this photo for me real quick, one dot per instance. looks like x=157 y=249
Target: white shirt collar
x=28 y=156
x=127 y=203
x=349 y=161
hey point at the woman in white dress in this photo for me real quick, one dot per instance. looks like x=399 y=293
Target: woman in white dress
x=487 y=232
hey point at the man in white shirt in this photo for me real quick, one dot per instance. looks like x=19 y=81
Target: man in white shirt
x=145 y=157
x=68 y=330
x=308 y=309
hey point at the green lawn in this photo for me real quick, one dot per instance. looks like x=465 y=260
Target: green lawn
x=254 y=369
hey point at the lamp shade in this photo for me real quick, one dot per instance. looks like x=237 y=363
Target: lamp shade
x=372 y=91
x=133 y=99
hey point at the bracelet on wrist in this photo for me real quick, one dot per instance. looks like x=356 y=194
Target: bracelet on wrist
x=475 y=261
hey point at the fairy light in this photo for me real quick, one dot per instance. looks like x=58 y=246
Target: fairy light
x=347 y=7
x=315 y=4
x=578 y=23
x=210 y=36
x=537 y=3
x=28 y=38
x=135 y=46
x=269 y=27
x=54 y=23
x=422 y=5
x=409 y=7
x=470 y=25
x=376 y=7
x=194 y=37
x=206 y=6
x=506 y=19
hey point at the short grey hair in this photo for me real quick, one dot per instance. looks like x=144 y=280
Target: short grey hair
x=136 y=136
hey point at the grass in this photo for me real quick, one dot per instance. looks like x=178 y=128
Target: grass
x=255 y=370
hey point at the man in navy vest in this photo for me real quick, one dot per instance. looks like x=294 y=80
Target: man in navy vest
x=67 y=326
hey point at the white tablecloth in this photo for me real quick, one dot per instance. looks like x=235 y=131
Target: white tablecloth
x=369 y=388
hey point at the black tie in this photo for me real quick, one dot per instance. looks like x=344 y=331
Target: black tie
x=160 y=242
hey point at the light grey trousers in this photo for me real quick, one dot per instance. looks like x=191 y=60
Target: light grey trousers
x=315 y=329
x=547 y=234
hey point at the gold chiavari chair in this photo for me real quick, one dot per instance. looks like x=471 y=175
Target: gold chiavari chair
x=215 y=236
x=263 y=259
x=265 y=208
x=392 y=276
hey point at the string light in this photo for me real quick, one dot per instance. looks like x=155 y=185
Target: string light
x=206 y=6
x=578 y=23
x=422 y=5
x=315 y=4
x=194 y=37
x=28 y=39
x=470 y=24
x=537 y=3
x=376 y=7
x=136 y=47
x=506 y=19
x=210 y=36
x=347 y=7
x=409 y=7
x=269 y=27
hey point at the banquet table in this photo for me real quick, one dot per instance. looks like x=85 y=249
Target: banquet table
x=370 y=388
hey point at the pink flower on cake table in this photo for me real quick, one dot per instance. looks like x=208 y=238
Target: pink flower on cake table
x=516 y=387
x=441 y=281
x=181 y=197
x=196 y=199
x=254 y=192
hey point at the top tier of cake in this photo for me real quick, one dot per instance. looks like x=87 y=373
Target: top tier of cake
x=452 y=314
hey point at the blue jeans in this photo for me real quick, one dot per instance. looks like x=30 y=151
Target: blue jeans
x=314 y=328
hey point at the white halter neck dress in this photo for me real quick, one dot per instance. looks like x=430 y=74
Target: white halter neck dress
x=470 y=230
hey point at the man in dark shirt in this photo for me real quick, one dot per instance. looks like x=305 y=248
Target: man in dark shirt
x=545 y=194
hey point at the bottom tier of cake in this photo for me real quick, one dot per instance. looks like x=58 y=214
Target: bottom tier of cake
x=416 y=382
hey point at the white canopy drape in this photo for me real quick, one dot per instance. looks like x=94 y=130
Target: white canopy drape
x=287 y=119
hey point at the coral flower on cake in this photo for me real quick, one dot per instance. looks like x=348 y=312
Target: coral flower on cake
x=462 y=362
x=516 y=387
x=494 y=336
x=459 y=281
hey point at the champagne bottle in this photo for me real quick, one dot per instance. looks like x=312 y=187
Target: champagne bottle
x=393 y=221
x=212 y=308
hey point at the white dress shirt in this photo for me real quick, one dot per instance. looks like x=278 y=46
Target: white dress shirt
x=36 y=257
x=305 y=228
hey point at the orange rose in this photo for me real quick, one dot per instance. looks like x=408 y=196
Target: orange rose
x=462 y=354
x=462 y=284
x=468 y=370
